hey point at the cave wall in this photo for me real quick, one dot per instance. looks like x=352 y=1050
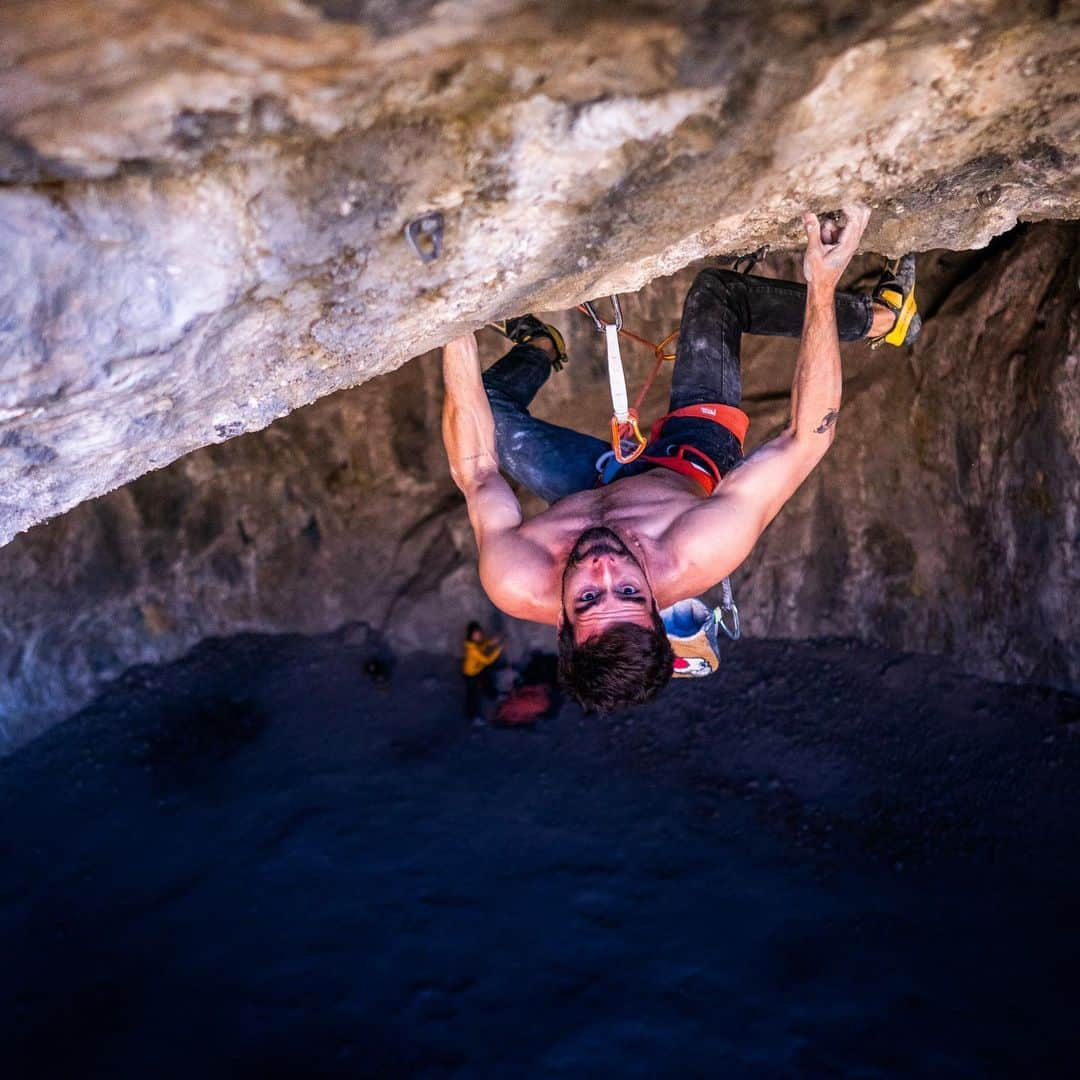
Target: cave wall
x=944 y=519
x=202 y=204
x=947 y=515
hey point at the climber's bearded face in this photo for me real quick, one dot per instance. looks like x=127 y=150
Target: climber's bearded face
x=604 y=584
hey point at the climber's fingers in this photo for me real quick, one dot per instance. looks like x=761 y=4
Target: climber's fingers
x=830 y=243
x=856 y=217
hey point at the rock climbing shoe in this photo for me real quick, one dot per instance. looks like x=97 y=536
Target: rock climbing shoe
x=525 y=328
x=896 y=290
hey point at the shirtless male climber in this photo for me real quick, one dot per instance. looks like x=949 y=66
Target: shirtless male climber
x=606 y=556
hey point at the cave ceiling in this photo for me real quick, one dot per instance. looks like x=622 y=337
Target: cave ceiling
x=203 y=205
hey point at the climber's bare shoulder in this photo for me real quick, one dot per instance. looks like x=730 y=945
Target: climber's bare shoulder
x=715 y=536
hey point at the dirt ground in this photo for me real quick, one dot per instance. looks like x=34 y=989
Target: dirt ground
x=828 y=861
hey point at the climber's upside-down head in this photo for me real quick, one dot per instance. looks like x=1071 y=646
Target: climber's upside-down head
x=613 y=648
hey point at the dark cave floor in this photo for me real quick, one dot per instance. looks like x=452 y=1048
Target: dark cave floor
x=828 y=861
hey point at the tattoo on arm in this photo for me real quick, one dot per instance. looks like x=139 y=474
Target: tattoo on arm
x=827 y=422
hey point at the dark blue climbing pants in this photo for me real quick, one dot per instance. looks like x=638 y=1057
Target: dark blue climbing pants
x=721 y=306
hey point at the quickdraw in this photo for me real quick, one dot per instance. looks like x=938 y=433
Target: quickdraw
x=627 y=440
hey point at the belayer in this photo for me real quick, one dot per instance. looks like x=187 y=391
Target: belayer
x=611 y=551
x=479 y=653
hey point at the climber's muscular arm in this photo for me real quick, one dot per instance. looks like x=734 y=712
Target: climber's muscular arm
x=506 y=558
x=468 y=430
x=712 y=539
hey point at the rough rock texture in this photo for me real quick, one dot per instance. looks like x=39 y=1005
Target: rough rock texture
x=945 y=518
x=202 y=204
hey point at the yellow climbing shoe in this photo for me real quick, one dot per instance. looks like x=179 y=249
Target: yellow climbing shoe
x=896 y=290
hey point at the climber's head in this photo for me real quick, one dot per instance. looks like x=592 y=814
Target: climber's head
x=613 y=649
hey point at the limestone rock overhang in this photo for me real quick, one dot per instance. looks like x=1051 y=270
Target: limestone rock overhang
x=202 y=206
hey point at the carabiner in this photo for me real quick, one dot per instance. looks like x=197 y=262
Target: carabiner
x=599 y=323
x=744 y=264
x=626 y=430
x=727 y=611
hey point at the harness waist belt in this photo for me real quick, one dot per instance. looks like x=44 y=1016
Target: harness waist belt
x=707 y=478
x=727 y=416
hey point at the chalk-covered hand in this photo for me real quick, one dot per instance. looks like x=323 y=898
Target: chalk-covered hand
x=830 y=246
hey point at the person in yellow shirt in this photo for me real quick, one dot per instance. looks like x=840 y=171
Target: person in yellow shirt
x=480 y=653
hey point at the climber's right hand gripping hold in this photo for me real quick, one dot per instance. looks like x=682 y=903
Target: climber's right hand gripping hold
x=830 y=245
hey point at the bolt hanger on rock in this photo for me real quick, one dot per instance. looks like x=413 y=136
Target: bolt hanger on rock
x=424 y=235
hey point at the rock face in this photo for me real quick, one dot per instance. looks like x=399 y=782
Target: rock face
x=202 y=205
x=944 y=519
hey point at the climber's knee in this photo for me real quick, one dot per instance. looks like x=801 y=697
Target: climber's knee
x=724 y=286
x=714 y=289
